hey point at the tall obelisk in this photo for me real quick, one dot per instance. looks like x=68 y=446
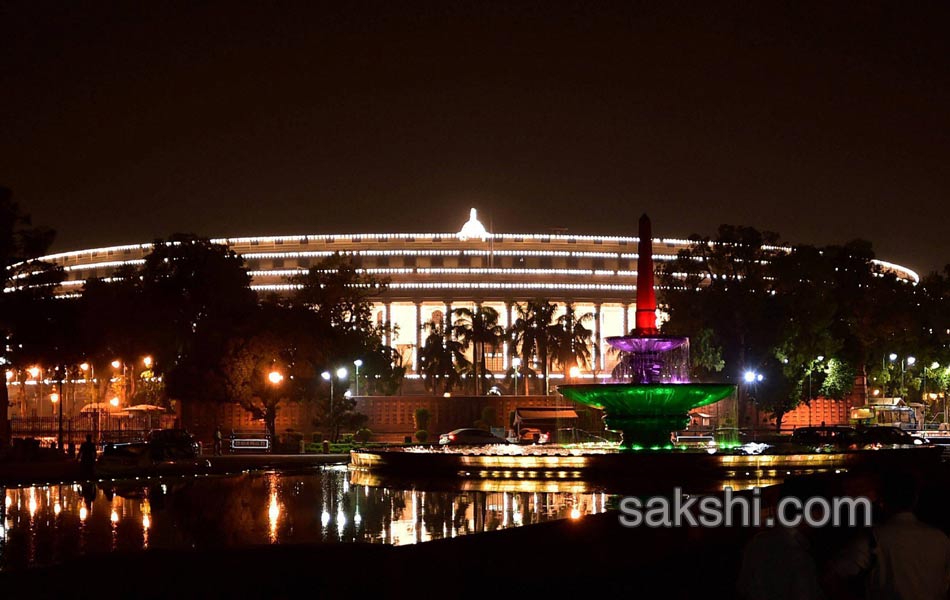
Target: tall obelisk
x=646 y=296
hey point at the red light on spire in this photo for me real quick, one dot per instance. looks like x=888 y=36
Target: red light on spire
x=646 y=295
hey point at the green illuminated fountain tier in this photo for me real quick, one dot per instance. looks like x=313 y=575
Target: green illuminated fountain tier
x=649 y=396
x=646 y=414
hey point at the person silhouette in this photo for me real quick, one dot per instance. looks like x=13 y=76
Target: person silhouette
x=901 y=556
x=87 y=458
x=778 y=562
x=217 y=440
x=88 y=491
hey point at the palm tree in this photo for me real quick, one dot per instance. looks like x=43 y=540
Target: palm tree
x=479 y=329
x=570 y=343
x=531 y=334
x=442 y=360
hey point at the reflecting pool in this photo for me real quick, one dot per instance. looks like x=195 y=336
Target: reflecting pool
x=41 y=525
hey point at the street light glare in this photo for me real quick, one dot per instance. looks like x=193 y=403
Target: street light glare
x=148 y=361
x=275 y=377
x=820 y=358
x=358 y=363
x=911 y=360
x=892 y=357
x=84 y=367
x=34 y=372
x=114 y=401
x=749 y=376
x=341 y=372
x=54 y=397
x=326 y=375
x=116 y=363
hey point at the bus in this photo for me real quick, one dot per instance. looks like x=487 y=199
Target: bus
x=887 y=412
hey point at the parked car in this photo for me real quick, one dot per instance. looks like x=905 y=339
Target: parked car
x=825 y=436
x=470 y=437
x=883 y=435
x=171 y=444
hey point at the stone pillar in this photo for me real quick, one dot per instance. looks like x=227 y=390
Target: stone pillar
x=509 y=311
x=626 y=318
x=448 y=321
x=598 y=336
x=415 y=355
x=388 y=316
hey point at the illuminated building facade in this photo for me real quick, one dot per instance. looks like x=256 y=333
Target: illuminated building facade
x=431 y=274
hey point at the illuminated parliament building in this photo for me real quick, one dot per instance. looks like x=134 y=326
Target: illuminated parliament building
x=430 y=274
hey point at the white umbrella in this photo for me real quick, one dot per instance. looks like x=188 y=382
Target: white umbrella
x=147 y=409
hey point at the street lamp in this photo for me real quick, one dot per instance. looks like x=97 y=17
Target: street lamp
x=909 y=361
x=55 y=399
x=341 y=373
x=148 y=362
x=275 y=377
x=357 y=363
x=751 y=377
x=811 y=367
x=35 y=374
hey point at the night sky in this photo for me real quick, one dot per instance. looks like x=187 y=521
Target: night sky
x=823 y=121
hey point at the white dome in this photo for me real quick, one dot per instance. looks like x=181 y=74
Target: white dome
x=473 y=229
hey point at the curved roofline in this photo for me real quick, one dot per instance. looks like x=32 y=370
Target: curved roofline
x=909 y=273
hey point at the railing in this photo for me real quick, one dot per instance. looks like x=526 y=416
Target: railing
x=104 y=429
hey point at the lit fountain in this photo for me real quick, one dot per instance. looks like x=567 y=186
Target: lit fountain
x=650 y=396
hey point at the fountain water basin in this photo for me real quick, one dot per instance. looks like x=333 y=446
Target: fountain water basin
x=646 y=414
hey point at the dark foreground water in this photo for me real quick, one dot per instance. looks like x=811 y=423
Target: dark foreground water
x=42 y=525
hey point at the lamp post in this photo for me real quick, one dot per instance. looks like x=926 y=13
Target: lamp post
x=275 y=378
x=56 y=399
x=357 y=363
x=909 y=361
x=751 y=377
x=811 y=367
x=35 y=374
x=341 y=373
x=923 y=390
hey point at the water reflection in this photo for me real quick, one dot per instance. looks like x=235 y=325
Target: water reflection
x=42 y=525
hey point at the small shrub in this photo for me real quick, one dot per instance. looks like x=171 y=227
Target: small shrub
x=422 y=416
x=422 y=435
x=363 y=435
